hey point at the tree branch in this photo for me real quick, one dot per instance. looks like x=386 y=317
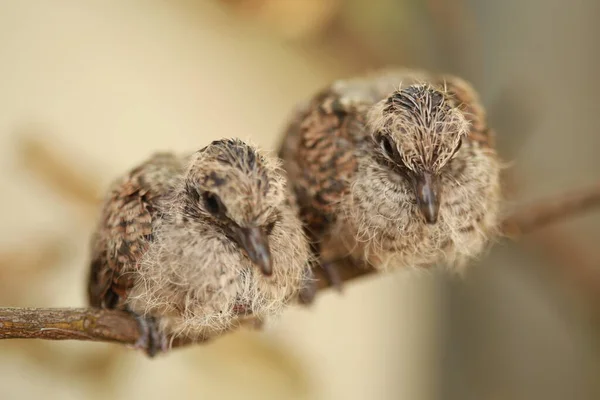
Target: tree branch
x=68 y=323
x=543 y=213
x=89 y=324
x=120 y=327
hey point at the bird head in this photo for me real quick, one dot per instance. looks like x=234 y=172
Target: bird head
x=239 y=191
x=415 y=132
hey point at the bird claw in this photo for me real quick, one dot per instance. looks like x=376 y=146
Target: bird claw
x=307 y=294
x=333 y=276
x=151 y=339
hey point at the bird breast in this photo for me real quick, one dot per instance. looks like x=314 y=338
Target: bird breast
x=195 y=279
x=204 y=283
x=383 y=226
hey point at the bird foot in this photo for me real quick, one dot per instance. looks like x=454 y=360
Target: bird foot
x=307 y=294
x=151 y=339
x=333 y=276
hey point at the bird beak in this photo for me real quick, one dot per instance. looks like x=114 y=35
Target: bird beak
x=427 y=192
x=256 y=244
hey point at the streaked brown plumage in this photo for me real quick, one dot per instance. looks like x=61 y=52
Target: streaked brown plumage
x=185 y=243
x=380 y=175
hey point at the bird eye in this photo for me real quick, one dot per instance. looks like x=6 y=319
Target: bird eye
x=269 y=227
x=214 y=204
x=386 y=145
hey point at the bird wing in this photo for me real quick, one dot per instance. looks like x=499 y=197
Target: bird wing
x=125 y=228
x=318 y=152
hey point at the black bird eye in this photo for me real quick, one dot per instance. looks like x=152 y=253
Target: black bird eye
x=213 y=204
x=386 y=145
x=269 y=227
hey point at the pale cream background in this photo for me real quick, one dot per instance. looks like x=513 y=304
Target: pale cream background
x=109 y=82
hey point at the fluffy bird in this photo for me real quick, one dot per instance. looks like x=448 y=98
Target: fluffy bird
x=194 y=245
x=394 y=169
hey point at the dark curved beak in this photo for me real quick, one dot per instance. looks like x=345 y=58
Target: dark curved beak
x=256 y=245
x=427 y=192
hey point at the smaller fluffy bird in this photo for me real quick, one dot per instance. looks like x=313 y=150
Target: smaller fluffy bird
x=195 y=245
x=394 y=169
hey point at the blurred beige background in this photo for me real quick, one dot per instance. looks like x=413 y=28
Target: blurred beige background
x=90 y=88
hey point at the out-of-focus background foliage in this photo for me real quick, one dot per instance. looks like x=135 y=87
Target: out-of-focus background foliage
x=89 y=89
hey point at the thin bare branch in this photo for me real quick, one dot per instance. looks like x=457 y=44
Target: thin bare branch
x=543 y=213
x=121 y=327
x=68 y=324
x=87 y=324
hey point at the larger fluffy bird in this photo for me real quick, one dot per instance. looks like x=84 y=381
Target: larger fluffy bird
x=395 y=169
x=197 y=243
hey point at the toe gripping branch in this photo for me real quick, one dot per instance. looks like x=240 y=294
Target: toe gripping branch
x=320 y=269
x=152 y=340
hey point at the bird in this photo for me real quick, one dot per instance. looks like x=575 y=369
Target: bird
x=193 y=245
x=393 y=169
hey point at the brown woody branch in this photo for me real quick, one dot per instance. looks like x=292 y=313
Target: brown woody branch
x=88 y=324
x=68 y=323
x=543 y=213
x=120 y=327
